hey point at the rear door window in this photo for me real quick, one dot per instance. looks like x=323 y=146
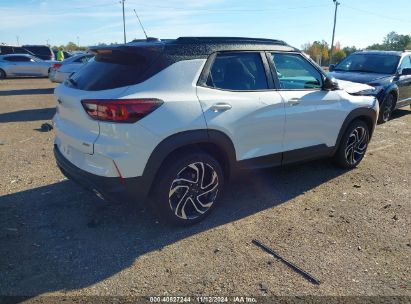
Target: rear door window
x=238 y=72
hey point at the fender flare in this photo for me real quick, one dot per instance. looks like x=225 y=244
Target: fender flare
x=181 y=140
x=392 y=88
x=369 y=113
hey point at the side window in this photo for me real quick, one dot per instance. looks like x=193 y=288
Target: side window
x=83 y=59
x=11 y=58
x=238 y=71
x=296 y=73
x=406 y=63
x=19 y=58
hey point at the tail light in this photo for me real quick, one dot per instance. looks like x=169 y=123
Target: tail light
x=56 y=66
x=120 y=110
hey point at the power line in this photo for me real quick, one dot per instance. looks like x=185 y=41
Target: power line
x=223 y=10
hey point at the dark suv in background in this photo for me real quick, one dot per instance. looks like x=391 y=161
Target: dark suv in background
x=40 y=51
x=388 y=72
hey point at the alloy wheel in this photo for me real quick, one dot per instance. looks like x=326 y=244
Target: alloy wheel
x=193 y=191
x=356 y=145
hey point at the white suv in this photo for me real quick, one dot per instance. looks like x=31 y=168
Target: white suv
x=173 y=120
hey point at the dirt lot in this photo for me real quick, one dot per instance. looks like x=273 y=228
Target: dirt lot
x=351 y=229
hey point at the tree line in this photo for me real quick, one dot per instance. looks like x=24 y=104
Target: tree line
x=320 y=50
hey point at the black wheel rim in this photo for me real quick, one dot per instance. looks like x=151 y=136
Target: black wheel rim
x=387 y=108
x=356 y=145
x=193 y=191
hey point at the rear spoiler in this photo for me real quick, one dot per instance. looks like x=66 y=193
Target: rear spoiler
x=138 y=47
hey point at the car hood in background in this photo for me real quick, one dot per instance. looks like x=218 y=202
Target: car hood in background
x=352 y=87
x=358 y=76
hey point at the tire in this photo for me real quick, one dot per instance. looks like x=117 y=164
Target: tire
x=2 y=74
x=387 y=107
x=353 y=145
x=188 y=188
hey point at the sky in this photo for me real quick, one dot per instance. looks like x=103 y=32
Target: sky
x=359 y=22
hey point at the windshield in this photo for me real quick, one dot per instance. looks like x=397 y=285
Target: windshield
x=369 y=63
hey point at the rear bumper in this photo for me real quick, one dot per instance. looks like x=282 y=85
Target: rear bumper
x=111 y=188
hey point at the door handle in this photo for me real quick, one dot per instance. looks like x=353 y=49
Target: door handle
x=221 y=107
x=293 y=101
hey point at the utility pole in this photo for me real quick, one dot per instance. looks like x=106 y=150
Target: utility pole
x=18 y=42
x=335 y=21
x=124 y=22
x=78 y=41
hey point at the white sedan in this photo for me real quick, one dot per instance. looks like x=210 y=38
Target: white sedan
x=60 y=71
x=23 y=65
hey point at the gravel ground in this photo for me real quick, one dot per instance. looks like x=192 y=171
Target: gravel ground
x=351 y=229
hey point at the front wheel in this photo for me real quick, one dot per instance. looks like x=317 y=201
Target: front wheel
x=188 y=188
x=386 y=108
x=353 y=145
x=2 y=74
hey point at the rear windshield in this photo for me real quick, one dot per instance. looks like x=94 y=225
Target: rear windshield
x=109 y=71
x=39 y=50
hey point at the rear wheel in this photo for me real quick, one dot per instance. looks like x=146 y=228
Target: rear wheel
x=188 y=188
x=353 y=145
x=2 y=74
x=386 y=108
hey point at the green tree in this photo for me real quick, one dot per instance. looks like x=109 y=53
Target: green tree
x=392 y=42
x=350 y=49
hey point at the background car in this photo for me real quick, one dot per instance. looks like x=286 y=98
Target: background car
x=10 y=49
x=23 y=65
x=41 y=51
x=388 y=72
x=62 y=70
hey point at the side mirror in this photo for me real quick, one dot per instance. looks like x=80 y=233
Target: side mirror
x=331 y=67
x=406 y=71
x=330 y=84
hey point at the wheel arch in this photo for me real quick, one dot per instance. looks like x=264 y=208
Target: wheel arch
x=368 y=115
x=5 y=74
x=214 y=142
x=392 y=89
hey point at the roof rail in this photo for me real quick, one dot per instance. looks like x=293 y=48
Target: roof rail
x=229 y=40
x=406 y=51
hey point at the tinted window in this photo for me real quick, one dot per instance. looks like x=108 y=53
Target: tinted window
x=238 y=71
x=6 y=50
x=109 y=71
x=369 y=63
x=83 y=59
x=296 y=73
x=17 y=58
x=406 y=63
x=39 y=50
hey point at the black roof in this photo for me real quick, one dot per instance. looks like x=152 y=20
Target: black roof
x=200 y=47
